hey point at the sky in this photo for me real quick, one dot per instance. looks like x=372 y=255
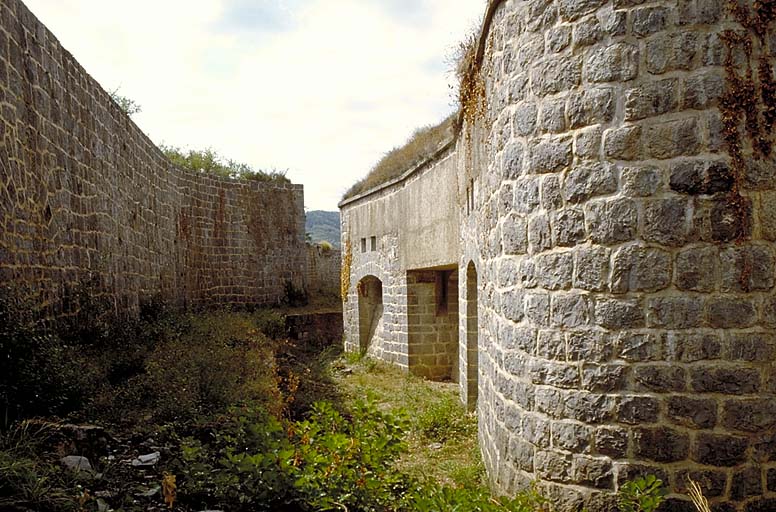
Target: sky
x=323 y=88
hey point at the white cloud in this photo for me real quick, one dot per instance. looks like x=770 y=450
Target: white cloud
x=324 y=94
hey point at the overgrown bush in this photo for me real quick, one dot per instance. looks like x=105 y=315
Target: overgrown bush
x=445 y=419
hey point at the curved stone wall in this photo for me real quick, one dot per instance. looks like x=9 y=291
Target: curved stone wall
x=623 y=235
x=86 y=197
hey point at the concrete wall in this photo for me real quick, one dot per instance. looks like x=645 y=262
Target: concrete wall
x=414 y=225
x=615 y=202
x=85 y=195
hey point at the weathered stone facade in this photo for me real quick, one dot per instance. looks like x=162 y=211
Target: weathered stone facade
x=86 y=196
x=615 y=218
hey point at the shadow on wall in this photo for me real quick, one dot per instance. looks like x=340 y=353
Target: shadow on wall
x=370 y=311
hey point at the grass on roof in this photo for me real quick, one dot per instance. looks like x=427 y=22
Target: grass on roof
x=422 y=145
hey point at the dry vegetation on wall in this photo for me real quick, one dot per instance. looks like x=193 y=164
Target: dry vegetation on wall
x=347 y=261
x=422 y=145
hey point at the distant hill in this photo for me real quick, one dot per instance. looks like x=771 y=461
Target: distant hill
x=322 y=226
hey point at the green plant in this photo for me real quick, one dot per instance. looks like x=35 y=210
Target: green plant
x=209 y=161
x=294 y=296
x=446 y=419
x=127 y=105
x=325 y=246
x=643 y=494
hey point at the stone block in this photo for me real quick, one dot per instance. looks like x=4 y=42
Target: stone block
x=660 y=444
x=696 y=413
x=634 y=410
x=618 y=314
x=551 y=197
x=568 y=227
x=659 y=378
x=729 y=380
x=612 y=442
x=570 y=310
x=636 y=268
x=727 y=312
x=671 y=52
x=587 y=145
x=550 y=155
x=526 y=195
x=649 y=20
x=675 y=312
x=589 y=346
x=611 y=221
x=553 y=116
x=593 y=472
x=537 y=308
x=618 y=62
x=696 y=177
x=554 y=270
x=750 y=414
x=585 y=181
x=666 y=221
x=652 y=99
x=623 y=143
x=524 y=119
x=745 y=483
x=603 y=378
x=704 y=90
x=571 y=10
x=512 y=160
x=591 y=106
x=591 y=268
x=690 y=347
x=640 y=181
x=747 y=268
x=558 y=38
x=671 y=139
x=539 y=235
x=587 y=32
x=514 y=235
x=696 y=269
x=556 y=75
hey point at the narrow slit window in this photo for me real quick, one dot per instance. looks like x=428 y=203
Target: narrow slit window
x=363 y=245
x=373 y=243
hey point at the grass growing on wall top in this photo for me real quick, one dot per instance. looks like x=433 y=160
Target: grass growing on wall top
x=420 y=146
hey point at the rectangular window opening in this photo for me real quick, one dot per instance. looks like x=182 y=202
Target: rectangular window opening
x=441 y=289
x=373 y=243
x=363 y=245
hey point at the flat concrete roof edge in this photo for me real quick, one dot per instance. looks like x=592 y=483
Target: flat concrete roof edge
x=443 y=147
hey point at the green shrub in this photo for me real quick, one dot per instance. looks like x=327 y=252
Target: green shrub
x=271 y=323
x=644 y=494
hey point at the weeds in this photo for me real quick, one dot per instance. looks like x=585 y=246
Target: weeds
x=644 y=494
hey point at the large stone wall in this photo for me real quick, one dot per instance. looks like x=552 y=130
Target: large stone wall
x=322 y=276
x=86 y=196
x=615 y=203
x=624 y=237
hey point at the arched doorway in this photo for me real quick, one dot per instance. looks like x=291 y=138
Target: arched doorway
x=370 y=310
x=472 y=336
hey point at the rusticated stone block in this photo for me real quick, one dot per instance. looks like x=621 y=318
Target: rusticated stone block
x=672 y=138
x=666 y=221
x=591 y=268
x=696 y=177
x=729 y=380
x=640 y=181
x=571 y=437
x=617 y=62
x=612 y=442
x=696 y=269
x=692 y=412
x=750 y=414
x=603 y=378
x=568 y=227
x=619 y=314
x=593 y=472
x=591 y=106
x=586 y=181
x=674 y=312
x=552 y=155
x=719 y=449
x=727 y=312
x=611 y=221
x=637 y=409
x=660 y=378
x=661 y=444
x=636 y=268
x=746 y=482
x=747 y=268
x=623 y=143
x=652 y=99
x=649 y=20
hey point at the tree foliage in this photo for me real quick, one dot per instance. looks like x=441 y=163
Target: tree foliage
x=209 y=161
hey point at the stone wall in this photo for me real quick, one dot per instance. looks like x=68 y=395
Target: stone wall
x=85 y=196
x=623 y=237
x=616 y=214
x=322 y=276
